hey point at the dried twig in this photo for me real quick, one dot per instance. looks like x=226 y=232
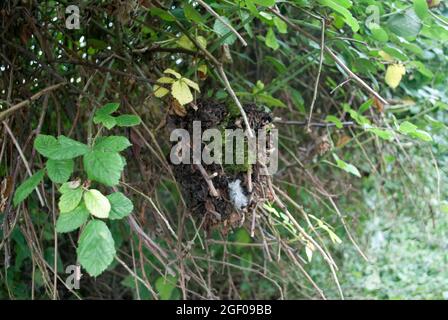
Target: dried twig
x=213 y=12
x=207 y=179
x=26 y=102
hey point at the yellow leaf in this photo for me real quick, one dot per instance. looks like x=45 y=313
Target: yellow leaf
x=202 y=71
x=174 y=73
x=165 y=80
x=387 y=57
x=181 y=92
x=394 y=74
x=202 y=41
x=186 y=43
x=159 y=91
x=191 y=84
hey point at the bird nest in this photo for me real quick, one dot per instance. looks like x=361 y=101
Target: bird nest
x=221 y=194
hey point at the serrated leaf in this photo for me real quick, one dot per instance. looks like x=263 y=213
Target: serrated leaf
x=62 y=148
x=108 y=108
x=128 y=120
x=96 y=248
x=104 y=167
x=70 y=199
x=165 y=287
x=405 y=24
x=72 y=220
x=97 y=204
x=181 y=92
x=223 y=31
x=27 y=186
x=121 y=206
x=394 y=74
x=59 y=171
x=112 y=144
x=106 y=120
x=67 y=186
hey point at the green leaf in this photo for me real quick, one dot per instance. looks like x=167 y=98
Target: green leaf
x=186 y=43
x=68 y=186
x=97 y=204
x=365 y=106
x=59 y=171
x=271 y=40
x=346 y=166
x=270 y=100
x=444 y=207
x=281 y=25
x=108 y=108
x=72 y=220
x=162 y=14
x=378 y=33
x=341 y=8
x=334 y=120
x=222 y=30
x=25 y=189
x=61 y=149
x=421 y=9
x=112 y=144
x=422 y=135
x=266 y=3
x=383 y=134
x=406 y=127
x=128 y=120
x=121 y=206
x=106 y=120
x=70 y=199
x=405 y=25
x=104 y=167
x=96 y=248
x=191 y=13
x=181 y=91
x=165 y=287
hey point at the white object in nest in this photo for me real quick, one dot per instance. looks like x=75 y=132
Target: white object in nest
x=237 y=195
